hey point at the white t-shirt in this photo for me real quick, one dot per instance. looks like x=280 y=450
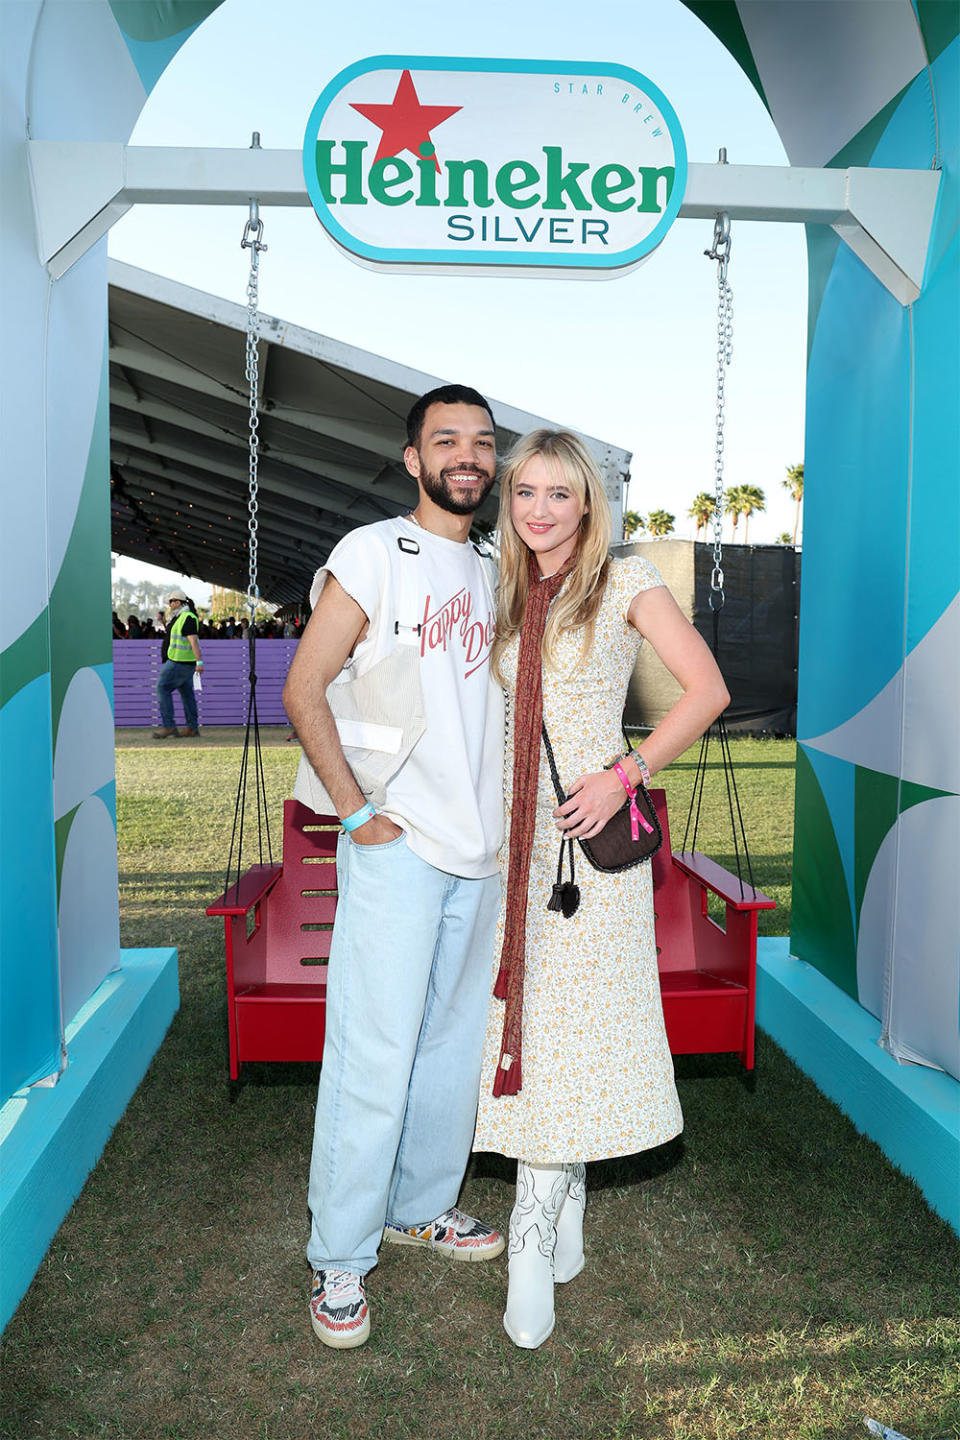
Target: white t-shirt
x=448 y=794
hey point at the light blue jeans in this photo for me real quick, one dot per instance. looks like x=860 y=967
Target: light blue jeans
x=407 y=989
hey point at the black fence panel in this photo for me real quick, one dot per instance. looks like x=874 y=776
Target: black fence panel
x=758 y=632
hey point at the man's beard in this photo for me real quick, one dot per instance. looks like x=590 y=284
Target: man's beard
x=442 y=494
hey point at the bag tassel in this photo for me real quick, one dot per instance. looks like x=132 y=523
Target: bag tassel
x=566 y=895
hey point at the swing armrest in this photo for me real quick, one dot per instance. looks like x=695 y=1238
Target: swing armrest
x=240 y=898
x=714 y=877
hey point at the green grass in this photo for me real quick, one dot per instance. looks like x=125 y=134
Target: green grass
x=767 y=1276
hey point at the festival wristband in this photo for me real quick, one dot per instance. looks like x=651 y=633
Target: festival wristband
x=636 y=819
x=359 y=817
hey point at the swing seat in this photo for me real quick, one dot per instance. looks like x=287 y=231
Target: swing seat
x=278 y=922
x=708 y=970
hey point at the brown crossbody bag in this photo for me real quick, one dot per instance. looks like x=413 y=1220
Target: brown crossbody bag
x=614 y=849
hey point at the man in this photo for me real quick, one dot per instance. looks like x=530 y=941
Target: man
x=402 y=732
x=181 y=661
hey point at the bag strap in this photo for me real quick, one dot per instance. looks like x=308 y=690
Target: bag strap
x=565 y=842
x=553 y=764
x=561 y=797
x=407 y=628
x=569 y=846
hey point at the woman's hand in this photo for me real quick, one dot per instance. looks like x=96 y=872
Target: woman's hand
x=593 y=800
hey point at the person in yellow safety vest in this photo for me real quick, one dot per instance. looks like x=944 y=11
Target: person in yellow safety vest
x=181 y=661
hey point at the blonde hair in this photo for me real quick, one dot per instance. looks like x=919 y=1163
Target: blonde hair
x=577 y=605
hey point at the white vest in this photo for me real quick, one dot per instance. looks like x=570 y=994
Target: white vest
x=379 y=715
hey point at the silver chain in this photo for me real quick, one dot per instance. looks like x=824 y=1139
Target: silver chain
x=721 y=253
x=252 y=241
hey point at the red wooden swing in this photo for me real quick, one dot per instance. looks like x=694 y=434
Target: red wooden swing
x=278 y=918
x=278 y=921
x=708 y=971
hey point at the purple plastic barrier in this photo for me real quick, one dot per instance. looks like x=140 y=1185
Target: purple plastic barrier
x=225 y=694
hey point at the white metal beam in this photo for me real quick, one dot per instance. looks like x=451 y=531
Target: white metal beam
x=885 y=216
x=80 y=188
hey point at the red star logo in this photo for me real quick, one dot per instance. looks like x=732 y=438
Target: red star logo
x=406 y=124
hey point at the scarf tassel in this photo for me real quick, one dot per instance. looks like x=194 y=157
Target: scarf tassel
x=508 y=1082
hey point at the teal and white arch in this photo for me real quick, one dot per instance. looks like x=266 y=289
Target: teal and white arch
x=875 y=903
x=875 y=894
x=82 y=71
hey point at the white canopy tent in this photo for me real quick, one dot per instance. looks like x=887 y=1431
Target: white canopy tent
x=331 y=427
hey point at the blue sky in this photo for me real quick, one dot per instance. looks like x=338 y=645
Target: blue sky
x=630 y=360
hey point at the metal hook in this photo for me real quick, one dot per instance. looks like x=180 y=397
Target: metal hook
x=253 y=230
x=722 y=241
x=721 y=230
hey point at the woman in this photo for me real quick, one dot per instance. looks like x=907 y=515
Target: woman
x=576 y=1064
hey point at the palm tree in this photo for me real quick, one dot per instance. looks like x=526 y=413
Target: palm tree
x=784 y=538
x=794 y=483
x=734 y=505
x=660 y=522
x=702 y=510
x=632 y=522
x=753 y=499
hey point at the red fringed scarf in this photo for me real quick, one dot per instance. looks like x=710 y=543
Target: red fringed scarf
x=528 y=720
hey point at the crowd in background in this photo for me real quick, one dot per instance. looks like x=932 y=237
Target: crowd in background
x=229 y=629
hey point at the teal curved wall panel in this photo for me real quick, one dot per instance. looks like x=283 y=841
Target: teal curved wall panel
x=855 y=496
x=29 y=981
x=879 y=611
x=69 y=72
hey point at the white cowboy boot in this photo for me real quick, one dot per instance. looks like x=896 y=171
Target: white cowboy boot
x=568 y=1259
x=529 y=1315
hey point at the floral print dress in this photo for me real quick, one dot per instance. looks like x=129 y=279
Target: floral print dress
x=597 y=1070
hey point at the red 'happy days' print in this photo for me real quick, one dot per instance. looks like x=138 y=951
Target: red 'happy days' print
x=453 y=621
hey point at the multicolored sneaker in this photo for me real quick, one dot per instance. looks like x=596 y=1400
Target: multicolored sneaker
x=338 y=1309
x=454 y=1234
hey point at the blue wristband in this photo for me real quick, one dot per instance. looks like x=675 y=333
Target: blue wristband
x=359 y=817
